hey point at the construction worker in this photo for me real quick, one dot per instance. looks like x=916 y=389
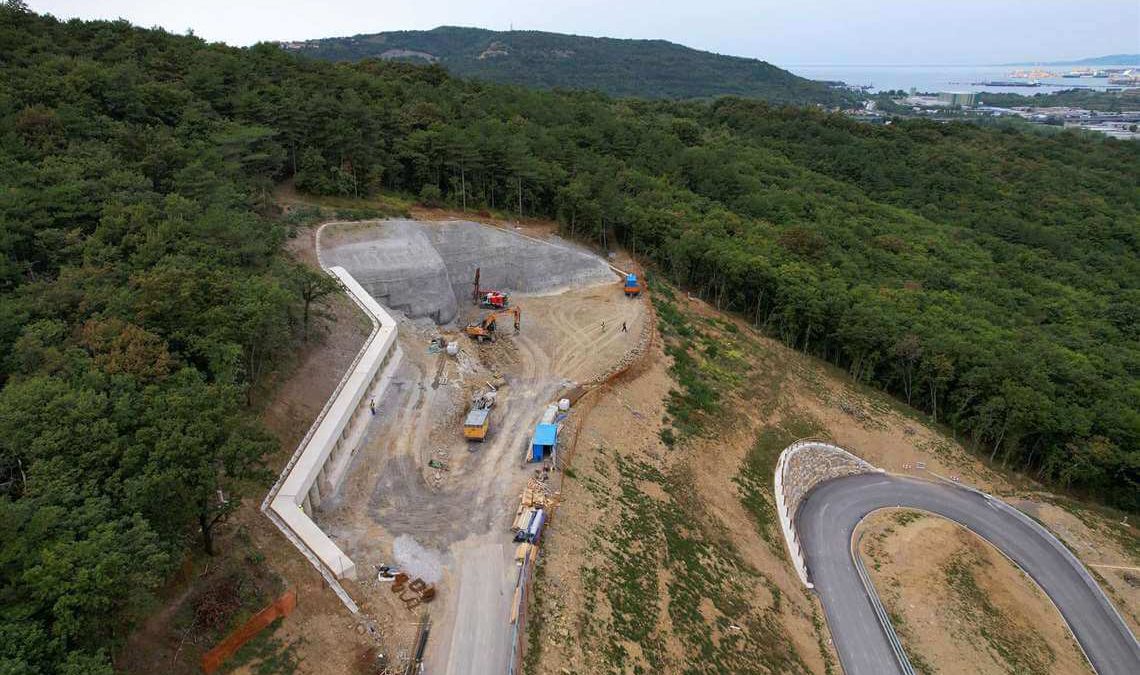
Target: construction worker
x=623 y=327
x=603 y=326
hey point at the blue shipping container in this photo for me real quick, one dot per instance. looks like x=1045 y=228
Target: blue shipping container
x=545 y=436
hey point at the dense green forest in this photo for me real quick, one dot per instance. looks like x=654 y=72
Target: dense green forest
x=988 y=277
x=1090 y=99
x=644 y=68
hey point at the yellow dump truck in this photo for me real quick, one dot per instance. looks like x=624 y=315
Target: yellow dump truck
x=477 y=424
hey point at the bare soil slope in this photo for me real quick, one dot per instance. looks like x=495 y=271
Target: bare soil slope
x=665 y=555
x=958 y=604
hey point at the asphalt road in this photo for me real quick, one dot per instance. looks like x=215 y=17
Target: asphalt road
x=827 y=518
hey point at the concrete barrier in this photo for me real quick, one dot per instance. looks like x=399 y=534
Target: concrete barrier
x=801 y=466
x=322 y=459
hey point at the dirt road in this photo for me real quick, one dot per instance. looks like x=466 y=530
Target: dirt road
x=451 y=525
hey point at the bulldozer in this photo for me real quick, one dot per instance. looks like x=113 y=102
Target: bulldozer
x=485 y=329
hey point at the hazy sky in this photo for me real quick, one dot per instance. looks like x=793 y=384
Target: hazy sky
x=785 y=32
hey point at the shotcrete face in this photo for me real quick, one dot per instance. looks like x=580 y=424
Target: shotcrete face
x=426 y=269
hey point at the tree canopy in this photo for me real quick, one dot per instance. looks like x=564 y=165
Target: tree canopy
x=985 y=276
x=645 y=68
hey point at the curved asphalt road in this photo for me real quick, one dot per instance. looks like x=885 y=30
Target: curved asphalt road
x=827 y=518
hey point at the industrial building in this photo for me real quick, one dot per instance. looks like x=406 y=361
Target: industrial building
x=957 y=98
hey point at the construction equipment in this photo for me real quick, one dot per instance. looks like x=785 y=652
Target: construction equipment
x=477 y=424
x=489 y=298
x=485 y=329
x=478 y=420
x=632 y=286
x=495 y=300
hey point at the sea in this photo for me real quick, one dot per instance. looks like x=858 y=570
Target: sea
x=950 y=78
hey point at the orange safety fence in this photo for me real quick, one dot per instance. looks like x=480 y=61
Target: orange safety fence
x=283 y=606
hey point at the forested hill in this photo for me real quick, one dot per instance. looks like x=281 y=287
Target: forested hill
x=988 y=277
x=1109 y=60
x=644 y=68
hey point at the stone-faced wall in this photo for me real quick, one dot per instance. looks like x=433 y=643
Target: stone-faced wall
x=803 y=465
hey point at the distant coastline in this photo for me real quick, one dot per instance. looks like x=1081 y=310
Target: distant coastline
x=959 y=78
x=1109 y=60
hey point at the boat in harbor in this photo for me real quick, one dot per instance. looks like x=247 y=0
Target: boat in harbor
x=1032 y=74
x=1007 y=83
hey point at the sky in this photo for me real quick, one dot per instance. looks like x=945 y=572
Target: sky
x=784 y=32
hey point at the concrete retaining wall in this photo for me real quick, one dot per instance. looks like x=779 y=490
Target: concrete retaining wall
x=426 y=269
x=322 y=459
x=801 y=466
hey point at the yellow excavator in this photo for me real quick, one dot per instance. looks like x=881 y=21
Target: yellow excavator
x=485 y=329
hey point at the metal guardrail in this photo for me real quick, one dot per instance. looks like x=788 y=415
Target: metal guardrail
x=518 y=632
x=880 y=611
x=1053 y=540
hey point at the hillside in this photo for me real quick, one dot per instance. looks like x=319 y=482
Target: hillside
x=644 y=68
x=988 y=279
x=1108 y=60
x=1106 y=101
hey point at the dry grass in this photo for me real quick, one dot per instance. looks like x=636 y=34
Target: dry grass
x=675 y=481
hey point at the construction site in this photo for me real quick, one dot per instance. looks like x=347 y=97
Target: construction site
x=514 y=381
x=441 y=504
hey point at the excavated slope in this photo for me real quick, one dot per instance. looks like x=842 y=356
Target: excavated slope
x=425 y=269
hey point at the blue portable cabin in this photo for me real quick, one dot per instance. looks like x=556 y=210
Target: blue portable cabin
x=542 y=444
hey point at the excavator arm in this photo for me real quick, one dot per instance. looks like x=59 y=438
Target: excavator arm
x=489 y=320
x=487 y=326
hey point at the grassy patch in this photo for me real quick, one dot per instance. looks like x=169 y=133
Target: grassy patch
x=797 y=425
x=265 y=654
x=756 y=476
x=709 y=363
x=755 y=481
x=666 y=557
x=1102 y=519
x=1021 y=651
x=314 y=210
x=351 y=208
x=536 y=617
x=907 y=517
x=829 y=664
